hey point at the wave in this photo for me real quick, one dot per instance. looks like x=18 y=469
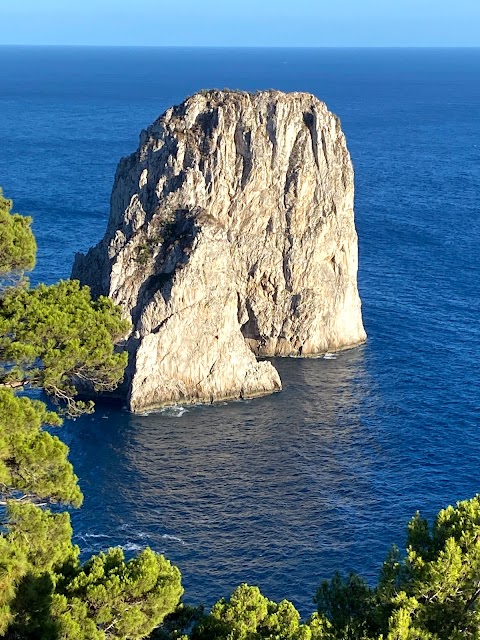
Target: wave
x=132 y=546
x=167 y=536
x=174 y=412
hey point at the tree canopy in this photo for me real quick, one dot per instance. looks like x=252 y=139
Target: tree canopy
x=17 y=244
x=55 y=336
x=48 y=593
x=248 y=615
x=33 y=463
x=431 y=592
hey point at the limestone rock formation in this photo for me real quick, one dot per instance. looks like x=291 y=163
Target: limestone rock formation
x=231 y=234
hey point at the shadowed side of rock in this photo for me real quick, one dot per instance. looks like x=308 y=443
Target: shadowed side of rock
x=231 y=233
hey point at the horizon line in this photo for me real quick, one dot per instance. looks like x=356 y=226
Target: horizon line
x=213 y=46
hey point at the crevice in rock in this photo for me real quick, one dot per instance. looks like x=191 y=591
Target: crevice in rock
x=324 y=148
x=243 y=141
x=309 y=120
x=271 y=126
x=250 y=329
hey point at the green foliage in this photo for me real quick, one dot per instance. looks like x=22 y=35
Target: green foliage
x=146 y=249
x=178 y=624
x=32 y=461
x=248 y=615
x=442 y=571
x=13 y=567
x=350 y=605
x=44 y=591
x=124 y=600
x=402 y=624
x=44 y=542
x=42 y=537
x=54 y=336
x=17 y=243
x=34 y=466
x=432 y=593
x=48 y=594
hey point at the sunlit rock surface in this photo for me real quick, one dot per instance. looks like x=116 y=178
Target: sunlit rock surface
x=231 y=234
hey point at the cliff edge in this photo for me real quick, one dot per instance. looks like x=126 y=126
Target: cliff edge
x=231 y=235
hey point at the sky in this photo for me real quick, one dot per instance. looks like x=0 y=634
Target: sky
x=265 y=23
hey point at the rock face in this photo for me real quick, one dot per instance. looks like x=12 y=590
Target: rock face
x=231 y=234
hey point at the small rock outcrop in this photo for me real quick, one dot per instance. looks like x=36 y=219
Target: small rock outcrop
x=231 y=235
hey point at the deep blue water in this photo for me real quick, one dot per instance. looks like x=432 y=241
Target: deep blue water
x=283 y=490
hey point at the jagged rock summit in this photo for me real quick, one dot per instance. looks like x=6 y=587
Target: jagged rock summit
x=231 y=235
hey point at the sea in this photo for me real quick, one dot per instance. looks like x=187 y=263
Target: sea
x=280 y=491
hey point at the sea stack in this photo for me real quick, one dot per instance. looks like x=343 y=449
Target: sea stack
x=231 y=235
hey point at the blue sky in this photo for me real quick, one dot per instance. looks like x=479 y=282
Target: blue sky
x=242 y=23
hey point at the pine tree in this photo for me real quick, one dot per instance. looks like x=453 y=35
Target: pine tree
x=17 y=244
x=55 y=336
x=33 y=463
x=248 y=615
